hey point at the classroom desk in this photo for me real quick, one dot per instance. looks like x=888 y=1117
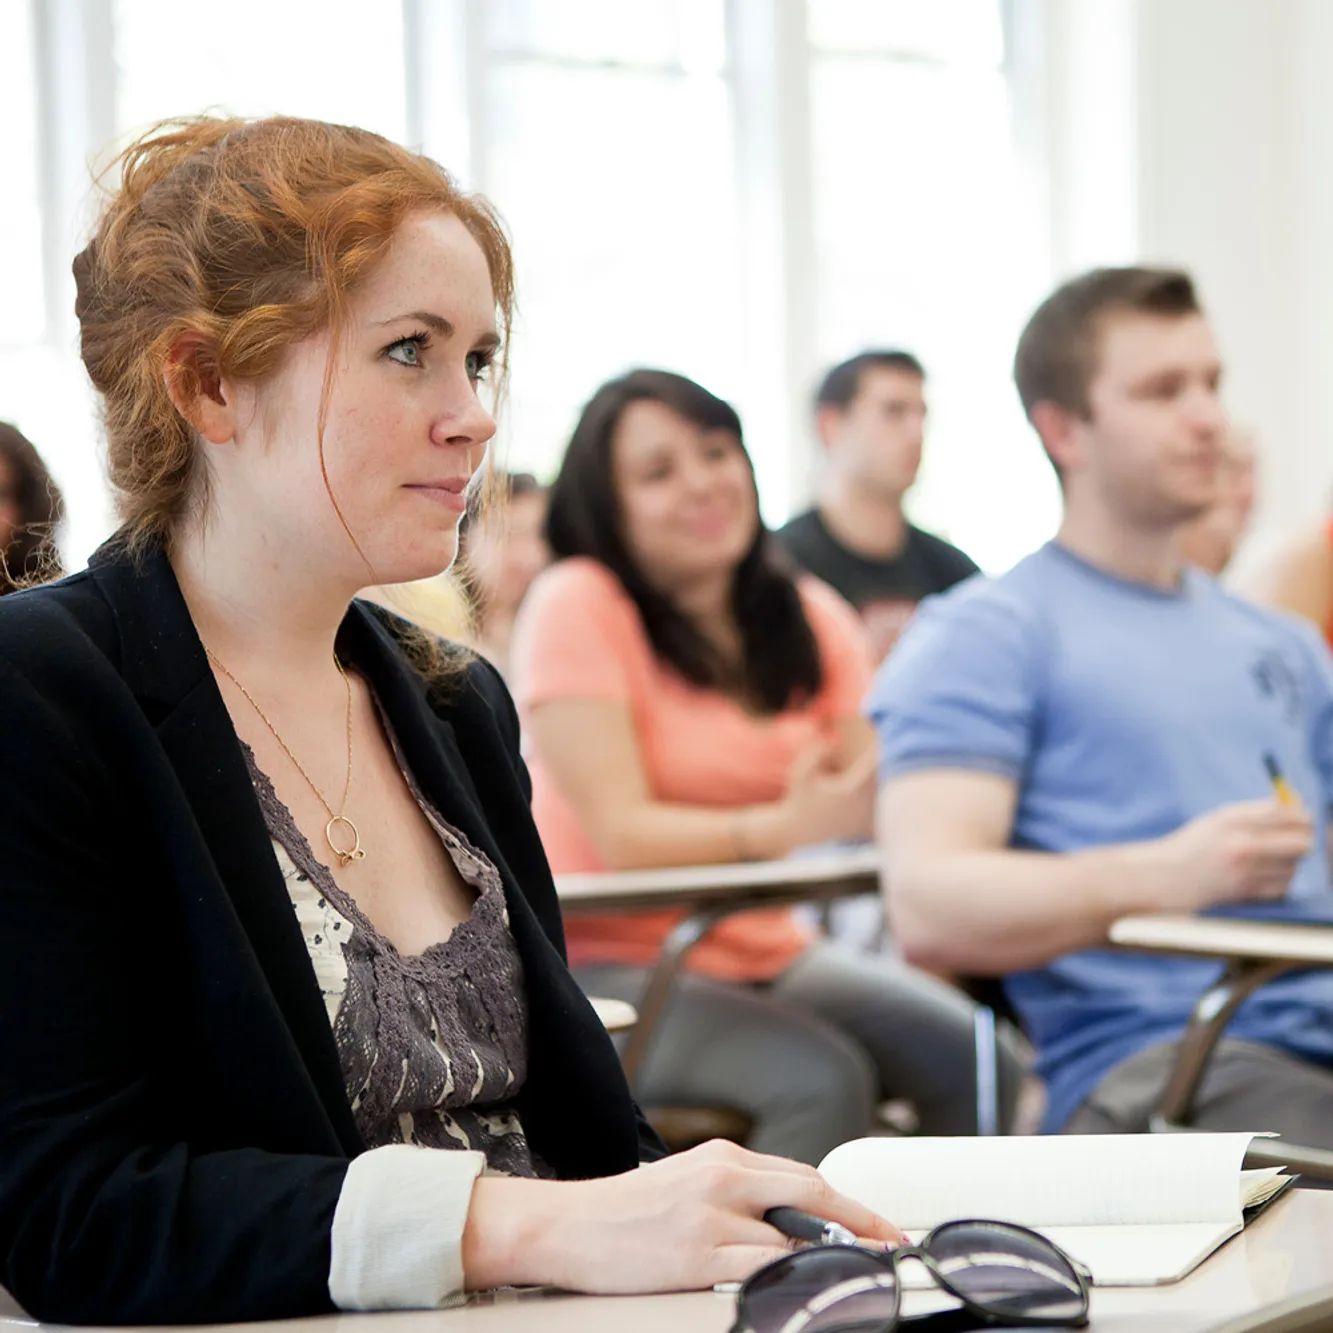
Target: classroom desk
x=1294 y=943
x=738 y=887
x=709 y=893
x=1286 y=1252
x=1253 y=953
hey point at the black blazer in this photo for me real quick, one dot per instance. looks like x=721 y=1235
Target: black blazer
x=173 y=1127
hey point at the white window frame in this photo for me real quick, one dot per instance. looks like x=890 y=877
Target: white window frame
x=445 y=66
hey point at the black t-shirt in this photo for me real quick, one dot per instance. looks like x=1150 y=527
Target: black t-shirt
x=885 y=592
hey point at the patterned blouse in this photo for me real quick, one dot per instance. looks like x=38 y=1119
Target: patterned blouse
x=433 y=1046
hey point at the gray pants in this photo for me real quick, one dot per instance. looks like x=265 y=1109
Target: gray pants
x=810 y=1056
x=1245 y=1086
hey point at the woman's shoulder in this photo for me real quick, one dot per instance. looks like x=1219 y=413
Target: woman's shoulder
x=578 y=580
x=48 y=626
x=578 y=630
x=583 y=595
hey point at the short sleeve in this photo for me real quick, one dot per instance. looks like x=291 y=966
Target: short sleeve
x=960 y=689
x=844 y=647
x=577 y=636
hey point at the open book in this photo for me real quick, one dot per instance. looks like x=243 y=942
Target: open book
x=1137 y=1209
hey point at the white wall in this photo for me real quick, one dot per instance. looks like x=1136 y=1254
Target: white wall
x=1235 y=181
x=1200 y=133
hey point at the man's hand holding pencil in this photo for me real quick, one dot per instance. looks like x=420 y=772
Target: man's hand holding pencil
x=1244 y=852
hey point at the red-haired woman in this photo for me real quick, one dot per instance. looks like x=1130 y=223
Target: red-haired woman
x=285 y=1022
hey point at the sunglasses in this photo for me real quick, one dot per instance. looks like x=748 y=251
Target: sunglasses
x=1001 y=1273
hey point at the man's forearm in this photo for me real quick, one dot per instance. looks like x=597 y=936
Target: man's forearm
x=986 y=913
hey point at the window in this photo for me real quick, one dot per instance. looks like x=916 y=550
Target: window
x=607 y=149
x=671 y=202
x=22 y=308
x=928 y=239
x=340 y=60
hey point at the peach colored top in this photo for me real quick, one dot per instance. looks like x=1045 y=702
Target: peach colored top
x=579 y=636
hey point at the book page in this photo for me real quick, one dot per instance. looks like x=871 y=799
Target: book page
x=1046 y=1181
x=1260 y=1184
x=1141 y=1256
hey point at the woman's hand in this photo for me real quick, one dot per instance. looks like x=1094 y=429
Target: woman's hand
x=827 y=803
x=683 y=1223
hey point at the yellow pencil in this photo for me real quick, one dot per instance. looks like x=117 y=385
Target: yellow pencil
x=1284 y=792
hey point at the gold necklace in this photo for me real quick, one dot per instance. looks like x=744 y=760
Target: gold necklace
x=345 y=855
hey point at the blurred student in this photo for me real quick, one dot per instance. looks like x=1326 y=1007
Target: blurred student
x=501 y=550
x=31 y=509
x=1085 y=738
x=870 y=415
x=1298 y=577
x=1210 y=540
x=685 y=702
x=285 y=1019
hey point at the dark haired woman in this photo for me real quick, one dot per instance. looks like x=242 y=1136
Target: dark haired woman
x=30 y=512
x=687 y=701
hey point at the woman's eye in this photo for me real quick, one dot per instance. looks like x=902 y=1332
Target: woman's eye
x=407 y=351
x=478 y=363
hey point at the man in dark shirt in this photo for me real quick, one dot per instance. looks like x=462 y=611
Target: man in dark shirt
x=870 y=414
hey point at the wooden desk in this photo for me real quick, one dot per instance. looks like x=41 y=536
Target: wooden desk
x=1288 y=1251
x=709 y=893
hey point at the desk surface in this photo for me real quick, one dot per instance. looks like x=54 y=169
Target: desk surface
x=760 y=883
x=1220 y=937
x=1286 y=1252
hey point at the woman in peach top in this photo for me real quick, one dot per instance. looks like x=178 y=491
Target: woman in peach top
x=686 y=700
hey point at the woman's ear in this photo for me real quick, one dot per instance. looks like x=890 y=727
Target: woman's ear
x=195 y=383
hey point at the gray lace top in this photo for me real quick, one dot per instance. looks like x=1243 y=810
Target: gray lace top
x=434 y=1045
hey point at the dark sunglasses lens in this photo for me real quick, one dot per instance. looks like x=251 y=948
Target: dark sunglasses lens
x=837 y=1290
x=1008 y=1271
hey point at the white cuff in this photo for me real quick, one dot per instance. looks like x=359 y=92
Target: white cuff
x=398 y=1228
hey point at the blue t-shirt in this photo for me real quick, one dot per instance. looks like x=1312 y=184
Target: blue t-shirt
x=1121 y=711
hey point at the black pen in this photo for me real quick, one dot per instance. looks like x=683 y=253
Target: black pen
x=798 y=1225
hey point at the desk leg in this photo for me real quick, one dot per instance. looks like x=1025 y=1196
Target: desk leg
x=1210 y=1017
x=675 y=947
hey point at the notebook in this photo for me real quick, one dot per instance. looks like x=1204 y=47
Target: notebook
x=1138 y=1209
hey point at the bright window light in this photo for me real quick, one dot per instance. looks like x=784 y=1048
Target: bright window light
x=928 y=239
x=617 y=182
x=22 y=314
x=340 y=60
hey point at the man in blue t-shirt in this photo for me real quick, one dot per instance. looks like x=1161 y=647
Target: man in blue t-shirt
x=1087 y=737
